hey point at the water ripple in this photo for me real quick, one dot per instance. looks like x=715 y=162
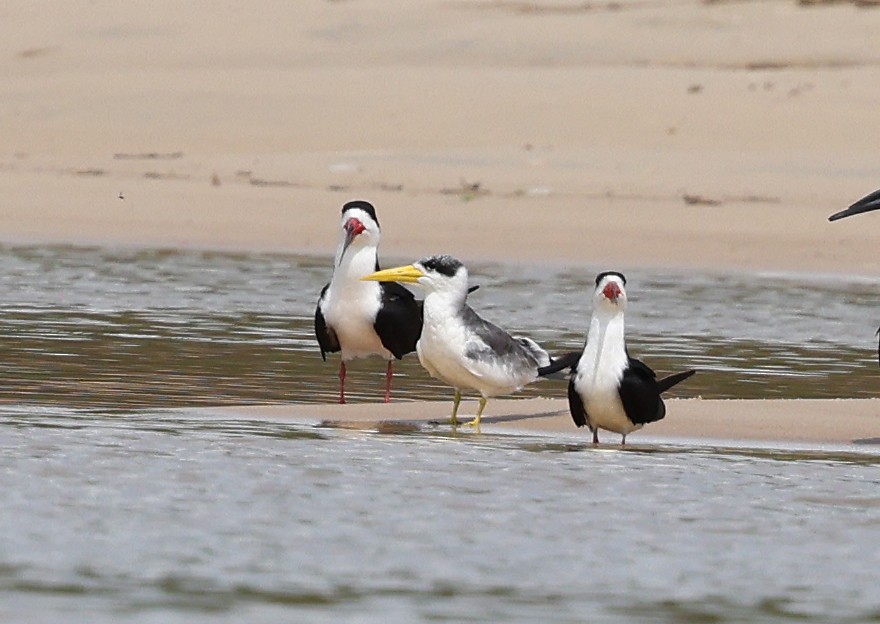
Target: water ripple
x=117 y=329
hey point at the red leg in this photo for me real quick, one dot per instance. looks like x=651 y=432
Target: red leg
x=342 y=383
x=388 y=375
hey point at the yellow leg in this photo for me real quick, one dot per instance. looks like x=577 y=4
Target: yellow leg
x=475 y=423
x=455 y=401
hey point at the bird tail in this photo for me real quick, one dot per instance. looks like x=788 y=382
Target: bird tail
x=567 y=360
x=667 y=382
x=540 y=356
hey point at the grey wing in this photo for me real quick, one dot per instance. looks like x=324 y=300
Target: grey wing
x=493 y=345
x=541 y=357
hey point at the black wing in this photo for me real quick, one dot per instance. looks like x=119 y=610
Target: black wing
x=667 y=382
x=399 y=321
x=640 y=394
x=865 y=204
x=327 y=339
x=575 y=403
x=566 y=360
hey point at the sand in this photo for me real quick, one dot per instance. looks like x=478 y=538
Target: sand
x=810 y=423
x=684 y=134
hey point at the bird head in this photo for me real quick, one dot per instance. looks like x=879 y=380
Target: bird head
x=610 y=293
x=440 y=274
x=359 y=226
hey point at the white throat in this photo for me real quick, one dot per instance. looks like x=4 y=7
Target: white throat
x=357 y=262
x=351 y=305
x=604 y=358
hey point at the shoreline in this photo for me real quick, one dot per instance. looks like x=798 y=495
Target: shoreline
x=807 y=423
x=664 y=233
x=640 y=135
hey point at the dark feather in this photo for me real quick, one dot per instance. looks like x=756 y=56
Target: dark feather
x=399 y=321
x=445 y=264
x=667 y=382
x=362 y=205
x=327 y=339
x=576 y=405
x=567 y=360
x=640 y=393
x=605 y=274
x=865 y=204
x=498 y=343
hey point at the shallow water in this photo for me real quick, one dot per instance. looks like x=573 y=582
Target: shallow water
x=162 y=517
x=113 y=509
x=104 y=329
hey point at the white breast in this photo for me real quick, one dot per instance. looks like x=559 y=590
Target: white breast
x=351 y=305
x=442 y=344
x=599 y=372
x=351 y=314
x=443 y=351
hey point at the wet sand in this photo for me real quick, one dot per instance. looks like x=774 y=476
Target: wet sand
x=800 y=422
x=593 y=135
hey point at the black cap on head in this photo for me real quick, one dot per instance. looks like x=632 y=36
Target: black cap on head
x=605 y=274
x=445 y=265
x=363 y=205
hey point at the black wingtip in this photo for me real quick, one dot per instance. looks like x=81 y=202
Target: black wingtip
x=865 y=204
x=568 y=360
x=667 y=382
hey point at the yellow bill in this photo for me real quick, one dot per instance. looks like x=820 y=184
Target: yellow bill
x=408 y=274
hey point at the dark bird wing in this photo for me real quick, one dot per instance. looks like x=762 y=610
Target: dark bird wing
x=667 y=382
x=576 y=405
x=327 y=339
x=865 y=204
x=399 y=321
x=640 y=393
x=567 y=360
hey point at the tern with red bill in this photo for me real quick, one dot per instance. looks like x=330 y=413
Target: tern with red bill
x=865 y=204
x=361 y=318
x=457 y=345
x=609 y=389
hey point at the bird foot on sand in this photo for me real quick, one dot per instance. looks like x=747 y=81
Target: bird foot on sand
x=475 y=423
